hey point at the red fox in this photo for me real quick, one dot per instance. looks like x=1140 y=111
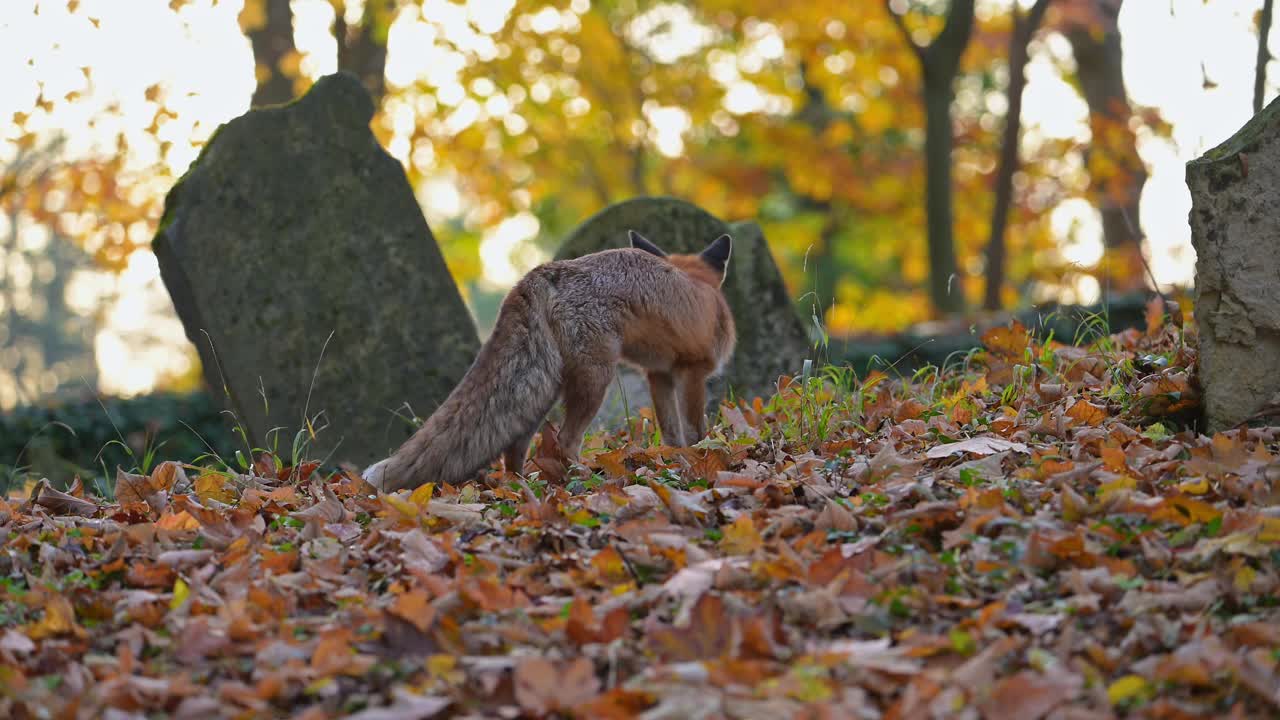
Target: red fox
x=561 y=332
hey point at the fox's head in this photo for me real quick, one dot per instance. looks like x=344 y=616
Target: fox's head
x=709 y=266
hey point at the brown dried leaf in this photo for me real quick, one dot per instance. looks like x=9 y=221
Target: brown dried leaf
x=1030 y=695
x=542 y=688
x=60 y=503
x=834 y=516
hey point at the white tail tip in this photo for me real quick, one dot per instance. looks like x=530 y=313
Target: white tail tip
x=374 y=474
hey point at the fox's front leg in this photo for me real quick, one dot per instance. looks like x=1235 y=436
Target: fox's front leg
x=693 y=401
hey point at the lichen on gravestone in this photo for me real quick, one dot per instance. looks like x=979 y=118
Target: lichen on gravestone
x=772 y=340
x=1235 y=229
x=301 y=266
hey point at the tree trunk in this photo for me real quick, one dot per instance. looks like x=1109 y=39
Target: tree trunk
x=1264 y=57
x=362 y=50
x=1099 y=69
x=940 y=63
x=272 y=42
x=1024 y=28
x=945 y=286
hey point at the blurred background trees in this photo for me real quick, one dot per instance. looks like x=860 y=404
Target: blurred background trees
x=1116 y=173
x=885 y=147
x=45 y=344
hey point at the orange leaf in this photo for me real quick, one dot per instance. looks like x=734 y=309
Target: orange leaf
x=1155 y=315
x=1087 y=413
x=332 y=653
x=144 y=574
x=167 y=474
x=414 y=607
x=909 y=410
x=1053 y=466
x=1113 y=459
x=177 y=521
x=1010 y=342
x=612 y=463
x=608 y=563
x=280 y=563
x=581 y=625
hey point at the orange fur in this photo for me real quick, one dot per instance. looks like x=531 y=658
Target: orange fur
x=560 y=333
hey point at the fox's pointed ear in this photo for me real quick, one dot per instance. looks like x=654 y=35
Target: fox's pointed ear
x=717 y=254
x=639 y=242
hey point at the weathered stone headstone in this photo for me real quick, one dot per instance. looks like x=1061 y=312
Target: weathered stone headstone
x=294 y=225
x=771 y=338
x=1235 y=228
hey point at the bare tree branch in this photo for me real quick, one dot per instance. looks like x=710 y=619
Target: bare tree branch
x=901 y=24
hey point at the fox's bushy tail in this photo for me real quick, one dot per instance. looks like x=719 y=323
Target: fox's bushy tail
x=502 y=398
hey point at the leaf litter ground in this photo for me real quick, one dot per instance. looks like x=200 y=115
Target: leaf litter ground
x=1033 y=532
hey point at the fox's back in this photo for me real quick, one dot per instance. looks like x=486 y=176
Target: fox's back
x=659 y=313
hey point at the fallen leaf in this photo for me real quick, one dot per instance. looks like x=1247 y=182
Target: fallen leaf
x=872 y=655
x=541 y=687
x=1029 y=695
x=1155 y=314
x=60 y=503
x=181 y=591
x=981 y=445
x=1086 y=413
x=406 y=706
x=153 y=490
x=741 y=537
x=214 y=486
x=1128 y=689
x=1010 y=342
x=59 y=619
x=414 y=607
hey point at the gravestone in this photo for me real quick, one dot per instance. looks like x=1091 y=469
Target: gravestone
x=771 y=338
x=1235 y=228
x=303 y=271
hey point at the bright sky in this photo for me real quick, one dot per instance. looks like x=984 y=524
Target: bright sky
x=202 y=59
